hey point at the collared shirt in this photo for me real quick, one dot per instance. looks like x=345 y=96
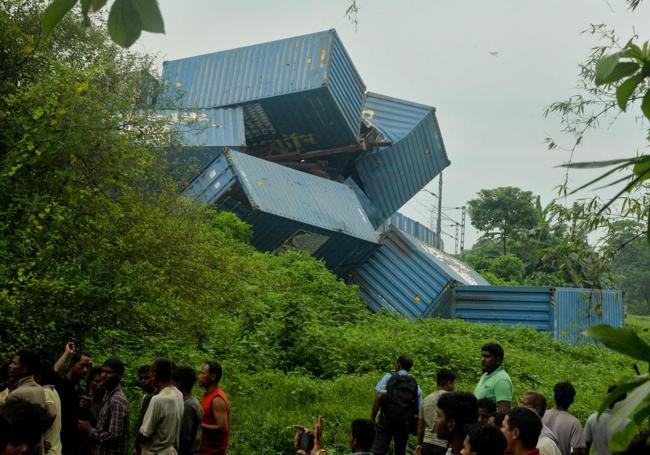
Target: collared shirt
x=428 y=413
x=597 y=432
x=547 y=447
x=28 y=390
x=496 y=386
x=547 y=432
x=380 y=387
x=567 y=428
x=162 y=422
x=53 y=434
x=111 y=436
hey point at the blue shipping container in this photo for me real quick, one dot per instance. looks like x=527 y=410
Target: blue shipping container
x=407 y=276
x=202 y=134
x=411 y=227
x=563 y=312
x=576 y=309
x=289 y=208
x=392 y=174
x=301 y=93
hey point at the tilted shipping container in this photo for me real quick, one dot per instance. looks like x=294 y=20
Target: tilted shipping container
x=407 y=276
x=412 y=156
x=289 y=208
x=298 y=94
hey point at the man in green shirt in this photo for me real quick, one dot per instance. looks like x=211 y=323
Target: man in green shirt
x=495 y=382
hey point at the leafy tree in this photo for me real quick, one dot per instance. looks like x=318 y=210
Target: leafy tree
x=127 y=19
x=508 y=267
x=503 y=212
x=631 y=265
x=93 y=234
x=554 y=253
x=615 y=77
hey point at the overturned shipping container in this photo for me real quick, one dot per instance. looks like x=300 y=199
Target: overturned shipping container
x=298 y=94
x=407 y=276
x=406 y=156
x=289 y=209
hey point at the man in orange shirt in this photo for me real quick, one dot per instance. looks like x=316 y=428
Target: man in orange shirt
x=216 y=411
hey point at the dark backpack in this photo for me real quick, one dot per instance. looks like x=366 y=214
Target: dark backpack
x=399 y=406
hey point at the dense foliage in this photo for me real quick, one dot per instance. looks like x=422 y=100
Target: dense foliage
x=546 y=249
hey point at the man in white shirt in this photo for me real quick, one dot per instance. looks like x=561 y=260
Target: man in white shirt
x=597 y=433
x=160 y=430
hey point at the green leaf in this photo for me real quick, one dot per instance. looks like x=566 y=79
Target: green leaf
x=97 y=5
x=124 y=23
x=625 y=90
x=621 y=70
x=642 y=166
x=622 y=340
x=621 y=439
x=628 y=406
x=150 y=16
x=55 y=12
x=641 y=414
x=605 y=66
x=85 y=7
x=621 y=389
x=595 y=164
x=645 y=105
x=633 y=51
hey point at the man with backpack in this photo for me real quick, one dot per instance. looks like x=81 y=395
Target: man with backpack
x=399 y=397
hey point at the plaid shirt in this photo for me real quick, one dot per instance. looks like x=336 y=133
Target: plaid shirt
x=111 y=435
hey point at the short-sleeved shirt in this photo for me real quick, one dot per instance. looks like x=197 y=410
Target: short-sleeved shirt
x=28 y=390
x=162 y=422
x=546 y=446
x=496 y=386
x=428 y=413
x=380 y=387
x=597 y=433
x=192 y=417
x=567 y=429
x=53 y=434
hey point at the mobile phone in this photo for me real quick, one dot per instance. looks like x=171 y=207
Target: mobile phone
x=306 y=441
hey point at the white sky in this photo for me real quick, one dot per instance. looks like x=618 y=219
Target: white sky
x=437 y=52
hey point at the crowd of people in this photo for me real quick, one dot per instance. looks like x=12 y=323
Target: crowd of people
x=44 y=411
x=485 y=422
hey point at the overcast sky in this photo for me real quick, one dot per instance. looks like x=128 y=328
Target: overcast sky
x=489 y=67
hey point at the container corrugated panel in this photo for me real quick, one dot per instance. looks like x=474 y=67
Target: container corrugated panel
x=208 y=127
x=577 y=309
x=406 y=276
x=266 y=79
x=299 y=196
x=411 y=227
x=203 y=134
x=508 y=305
x=288 y=208
x=390 y=175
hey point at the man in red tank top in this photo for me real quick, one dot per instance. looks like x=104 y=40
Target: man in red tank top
x=216 y=412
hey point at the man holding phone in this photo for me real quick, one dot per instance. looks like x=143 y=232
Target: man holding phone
x=71 y=394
